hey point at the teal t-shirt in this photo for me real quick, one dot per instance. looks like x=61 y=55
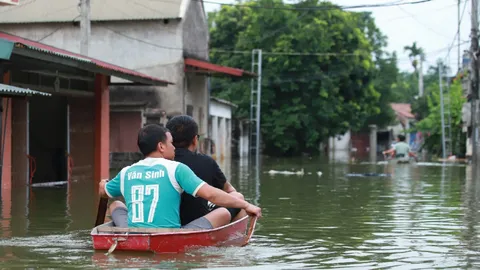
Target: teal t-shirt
x=152 y=190
x=402 y=148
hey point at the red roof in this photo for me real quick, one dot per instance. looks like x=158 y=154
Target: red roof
x=209 y=67
x=402 y=109
x=19 y=41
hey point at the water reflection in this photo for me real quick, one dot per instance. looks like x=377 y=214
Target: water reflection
x=421 y=216
x=6 y=196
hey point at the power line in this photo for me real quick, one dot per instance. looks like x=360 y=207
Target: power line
x=417 y=14
x=214 y=50
x=321 y=7
x=422 y=24
x=456 y=34
x=54 y=31
x=331 y=7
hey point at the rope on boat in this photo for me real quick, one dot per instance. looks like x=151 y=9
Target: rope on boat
x=115 y=244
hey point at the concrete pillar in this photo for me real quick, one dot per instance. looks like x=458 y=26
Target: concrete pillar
x=407 y=132
x=6 y=138
x=373 y=143
x=6 y=177
x=229 y=137
x=215 y=134
x=240 y=138
x=222 y=140
x=102 y=128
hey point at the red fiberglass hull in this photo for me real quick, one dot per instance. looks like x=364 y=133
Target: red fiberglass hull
x=237 y=233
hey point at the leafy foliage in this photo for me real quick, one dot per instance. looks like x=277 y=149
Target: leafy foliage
x=431 y=124
x=305 y=98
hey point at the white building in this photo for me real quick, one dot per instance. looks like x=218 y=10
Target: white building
x=220 y=126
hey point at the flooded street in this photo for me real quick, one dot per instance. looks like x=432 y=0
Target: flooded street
x=421 y=216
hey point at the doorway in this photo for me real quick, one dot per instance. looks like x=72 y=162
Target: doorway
x=48 y=139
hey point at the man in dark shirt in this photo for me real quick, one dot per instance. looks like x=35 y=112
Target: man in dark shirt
x=184 y=131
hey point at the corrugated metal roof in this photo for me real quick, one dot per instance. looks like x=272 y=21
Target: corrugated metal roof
x=32 y=11
x=403 y=109
x=222 y=101
x=32 y=45
x=18 y=91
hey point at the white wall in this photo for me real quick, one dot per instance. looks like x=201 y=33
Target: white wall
x=244 y=139
x=221 y=115
x=334 y=143
x=220 y=109
x=197 y=97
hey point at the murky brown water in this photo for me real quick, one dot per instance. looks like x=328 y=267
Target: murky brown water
x=423 y=216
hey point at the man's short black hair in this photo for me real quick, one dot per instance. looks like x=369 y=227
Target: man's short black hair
x=149 y=136
x=401 y=137
x=183 y=129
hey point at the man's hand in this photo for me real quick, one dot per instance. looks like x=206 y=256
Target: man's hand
x=101 y=188
x=253 y=210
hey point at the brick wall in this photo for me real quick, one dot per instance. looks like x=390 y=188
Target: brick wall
x=124 y=128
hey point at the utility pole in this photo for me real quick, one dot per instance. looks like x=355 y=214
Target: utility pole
x=442 y=109
x=474 y=81
x=420 y=77
x=458 y=35
x=84 y=26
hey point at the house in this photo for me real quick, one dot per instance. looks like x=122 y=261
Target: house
x=166 y=39
x=404 y=119
x=220 y=126
x=359 y=142
x=467 y=106
x=55 y=113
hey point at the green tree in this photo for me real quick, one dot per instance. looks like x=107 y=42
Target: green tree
x=385 y=80
x=405 y=87
x=305 y=98
x=385 y=74
x=431 y=124
x=420 y=105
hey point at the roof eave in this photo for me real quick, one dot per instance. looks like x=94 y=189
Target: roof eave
x=71 y=62
x=211 y=69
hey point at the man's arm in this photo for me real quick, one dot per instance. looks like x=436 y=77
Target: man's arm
x=198 y=188
x=389 y=151
x=101 y=188
x=110 y=189
x=228 y=188
x=221 y=198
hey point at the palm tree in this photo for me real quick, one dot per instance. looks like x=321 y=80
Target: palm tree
x=416 y=54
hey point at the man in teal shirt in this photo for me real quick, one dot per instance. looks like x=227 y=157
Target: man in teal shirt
x=401 y=150
x=152 y=188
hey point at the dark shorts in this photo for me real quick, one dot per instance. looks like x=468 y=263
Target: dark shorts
x=120 y=219
x=233 y=211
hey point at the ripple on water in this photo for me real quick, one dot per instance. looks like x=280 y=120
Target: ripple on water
x=63 y=241
x=413 y=220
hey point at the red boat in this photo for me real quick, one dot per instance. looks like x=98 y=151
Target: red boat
x=108 y=237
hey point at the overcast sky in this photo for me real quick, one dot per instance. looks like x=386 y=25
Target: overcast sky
x=432 y=25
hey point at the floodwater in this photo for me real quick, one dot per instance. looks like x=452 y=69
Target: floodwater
x=419 y=217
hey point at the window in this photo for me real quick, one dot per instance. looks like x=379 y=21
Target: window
x=190 y=110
